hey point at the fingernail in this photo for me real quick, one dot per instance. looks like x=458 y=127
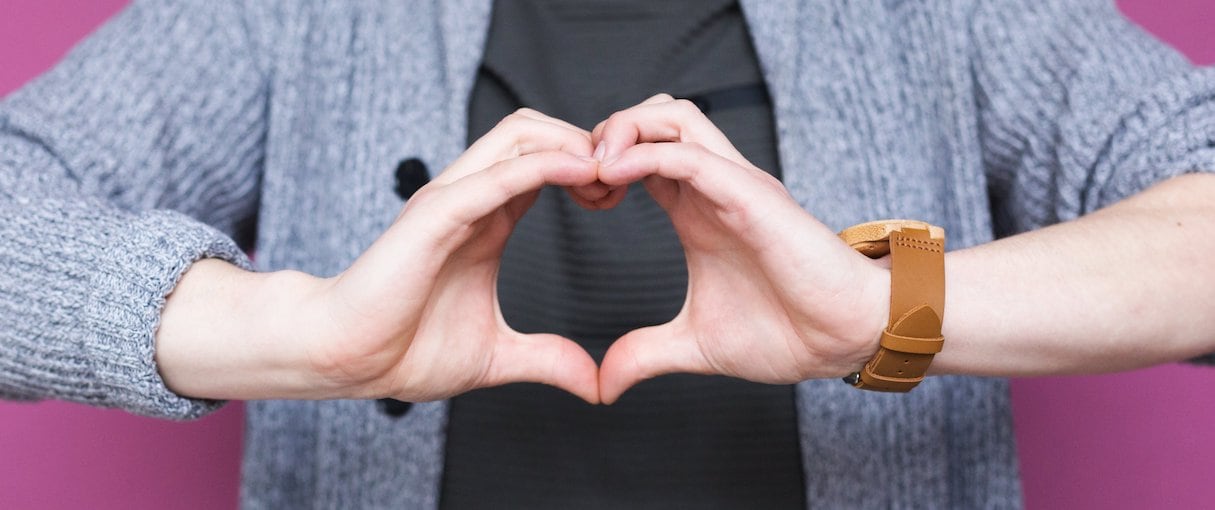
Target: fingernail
x=600 y=150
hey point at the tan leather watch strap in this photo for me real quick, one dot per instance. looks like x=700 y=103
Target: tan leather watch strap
x=917 y=300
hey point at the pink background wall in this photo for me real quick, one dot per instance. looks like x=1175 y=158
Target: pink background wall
x=1135 y=440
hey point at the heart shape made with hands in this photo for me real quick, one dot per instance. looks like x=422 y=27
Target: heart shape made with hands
x=773 y=295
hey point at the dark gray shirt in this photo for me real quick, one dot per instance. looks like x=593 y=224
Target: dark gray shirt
x=680 y=440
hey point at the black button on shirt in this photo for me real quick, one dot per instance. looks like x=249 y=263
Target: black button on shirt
x=411 y=175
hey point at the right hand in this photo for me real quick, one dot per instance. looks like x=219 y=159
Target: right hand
x=416 y=316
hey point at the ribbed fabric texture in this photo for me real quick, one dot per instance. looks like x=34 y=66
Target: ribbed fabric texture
x=91 y=156
x=987 y=117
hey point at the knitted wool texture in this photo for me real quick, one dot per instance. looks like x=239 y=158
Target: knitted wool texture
x=176 y=125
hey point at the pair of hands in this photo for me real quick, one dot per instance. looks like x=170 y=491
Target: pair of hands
x=773 y=295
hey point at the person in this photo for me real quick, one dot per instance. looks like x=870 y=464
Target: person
x=1061 y=148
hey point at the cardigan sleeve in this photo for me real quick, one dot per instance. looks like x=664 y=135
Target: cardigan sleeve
x=1080 y=108
x=137 y=155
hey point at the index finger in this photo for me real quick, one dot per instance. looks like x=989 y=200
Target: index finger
x=521 y=133
x=677 y=120
x=722 y=182
x=474 y=196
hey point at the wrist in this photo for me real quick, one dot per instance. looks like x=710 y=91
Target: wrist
x=876 y=296
x=227 y=333
x=912 y=337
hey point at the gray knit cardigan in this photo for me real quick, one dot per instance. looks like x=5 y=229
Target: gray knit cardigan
x=178 y=124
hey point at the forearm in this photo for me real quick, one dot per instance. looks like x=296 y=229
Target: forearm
x=1125 y=287
x=227 y=333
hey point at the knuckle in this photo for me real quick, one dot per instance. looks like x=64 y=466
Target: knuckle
x=514 y=128
x=687 y=107
x=424 y=195
x=541 y=159
x=696 y=152
x=698 y=149
x=615 y=119
x=775 y=184
x=499 y=180
x=512 y=122
x=503 y=123
x=504 y=189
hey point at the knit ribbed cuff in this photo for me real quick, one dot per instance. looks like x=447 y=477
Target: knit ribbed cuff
x=135 y=274
x=82 y=287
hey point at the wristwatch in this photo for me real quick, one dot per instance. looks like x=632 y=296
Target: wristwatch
x=917 y=301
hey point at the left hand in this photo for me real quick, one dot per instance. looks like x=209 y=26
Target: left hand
x=773 y=295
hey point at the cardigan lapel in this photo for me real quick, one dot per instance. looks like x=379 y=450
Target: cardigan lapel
x=464 y=25
x=810 y=64
x=836 y=84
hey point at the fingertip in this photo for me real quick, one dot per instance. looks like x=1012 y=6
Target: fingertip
x=546 y=359
x=581 y=202
x=587 y=391
x=619 y=371
x=587 y=387
x=588 y=171
x=576 y=372
x=613 y=198
x=607 y=400
x=630 y=165
x=591 y=396
x=609 y=395
x=646 y=353
x=592 y=192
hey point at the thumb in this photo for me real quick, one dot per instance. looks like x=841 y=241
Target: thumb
x=593 y=196
x=547 y=359
x=645 y=353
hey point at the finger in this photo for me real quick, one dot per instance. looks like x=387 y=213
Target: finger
x=646 y=353
x=476 y=195
x=535 y=114
x=722 y=182
x=591 y=195
x=662 y=97
x=518 y=134
x=587 y=196
x=749 y=203
x=663 y=190
x=518 y=206
x=440 y=216
x=654 y=99
x=546 y=359
x=670 y=121
x=615 y=195
x=610 y=197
